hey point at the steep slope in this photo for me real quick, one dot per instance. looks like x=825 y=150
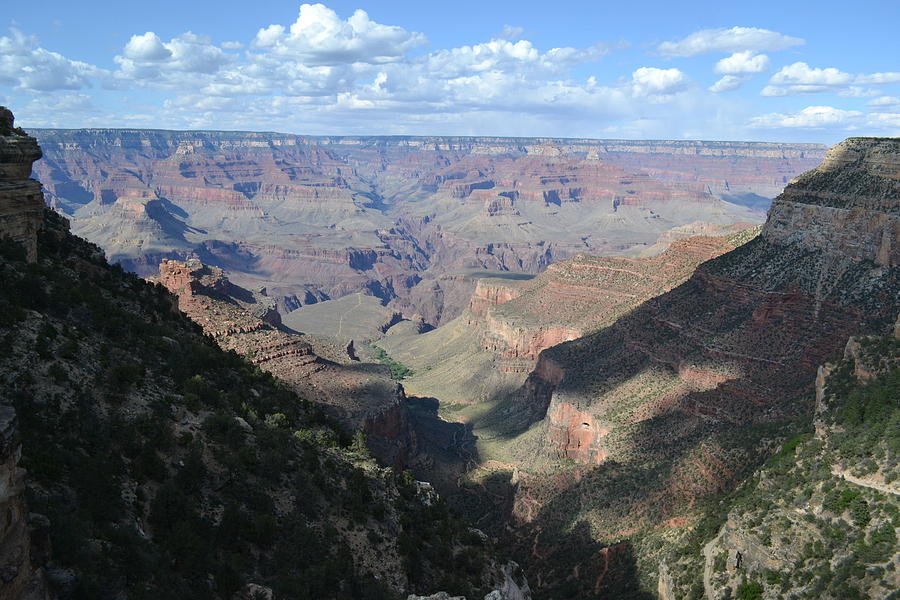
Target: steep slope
x=820 y=519
x=359 y=396
x=159 y=465
x=397 y=218
x=635 y=427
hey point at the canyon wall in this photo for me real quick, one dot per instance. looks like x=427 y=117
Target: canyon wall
x=735 y=342
x=678 y=400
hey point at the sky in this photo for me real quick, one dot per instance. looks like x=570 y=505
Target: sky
x=784 y=70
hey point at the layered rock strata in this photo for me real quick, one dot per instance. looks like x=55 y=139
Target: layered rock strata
x=744 y=335
x=399 y=218
x=21 y=201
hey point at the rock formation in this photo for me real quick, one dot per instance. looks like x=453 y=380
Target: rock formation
x=817 y=518
x=361 y=397
x=21 y=201
x=732 y=339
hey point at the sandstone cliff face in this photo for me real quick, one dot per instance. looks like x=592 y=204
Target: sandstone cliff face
x=847 y=206
x=21 y=201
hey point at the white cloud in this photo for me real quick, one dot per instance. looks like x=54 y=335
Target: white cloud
x=503 y=55
x=147 y=48
x=728 y=83
x=800 y=73
x=736 y=39
x=742 y=63
x=26 y=65
x=147 y=57
x=811 y=117
x=887 y=121
x=648 y=81
x=800 y=78
x=885 y=101
x=511 y=32
x=320 y=37
x=857 y=92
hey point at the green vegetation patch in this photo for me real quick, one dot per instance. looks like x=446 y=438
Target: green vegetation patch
x=398 y=371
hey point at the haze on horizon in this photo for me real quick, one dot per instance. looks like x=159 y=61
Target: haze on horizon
x=576 y=69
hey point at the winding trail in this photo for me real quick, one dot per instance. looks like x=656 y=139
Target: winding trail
x=347 y=312
x=835 y=470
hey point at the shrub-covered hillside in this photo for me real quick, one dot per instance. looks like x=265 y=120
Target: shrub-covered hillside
x=160 y=466
x=821 y=519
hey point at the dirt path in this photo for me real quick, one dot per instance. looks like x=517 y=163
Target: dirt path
x=862 y=482
x=347 y=312
x=709 y=563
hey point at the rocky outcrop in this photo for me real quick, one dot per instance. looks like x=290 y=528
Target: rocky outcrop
x=360 y=397
x=514 y=587
x=21 y=200
x=847 y=205
x=779 y=545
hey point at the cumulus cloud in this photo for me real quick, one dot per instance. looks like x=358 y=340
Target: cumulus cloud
x=736 y=39
x=147 y=57
x=26 y=65
x=742 y=63
x=146 y=48
x=320 y=37
x=800 y=78
x=728 y=83
x=503 y=55
x=811 y=117
x=800 y=73
x=648 y=81
x=889 y=121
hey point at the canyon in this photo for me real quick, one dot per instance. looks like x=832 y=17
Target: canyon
x=618 y=347
x=404 y=219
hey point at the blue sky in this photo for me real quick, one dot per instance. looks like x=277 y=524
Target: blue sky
x=782 y=71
